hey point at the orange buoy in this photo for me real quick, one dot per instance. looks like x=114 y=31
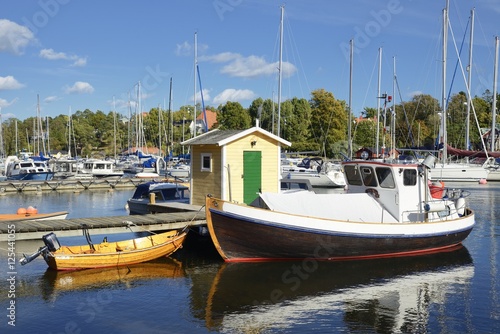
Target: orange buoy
x=21 y=211
x=437 y=189
x=31 y=210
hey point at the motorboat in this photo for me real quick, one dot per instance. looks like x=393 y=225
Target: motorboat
x=387 y=210
x=156 y=192
x=324 y=174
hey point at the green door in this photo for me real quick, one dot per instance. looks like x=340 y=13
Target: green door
x=252 y=175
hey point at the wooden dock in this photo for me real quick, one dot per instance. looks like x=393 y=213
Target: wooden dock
x=29 y=230
x=70 y=185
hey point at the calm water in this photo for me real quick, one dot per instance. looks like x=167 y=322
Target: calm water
x=195 y=292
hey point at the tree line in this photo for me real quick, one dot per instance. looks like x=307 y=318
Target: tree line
x=318 y=124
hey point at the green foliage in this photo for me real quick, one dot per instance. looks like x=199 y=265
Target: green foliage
x=328 y=120
x=319 y=124
x=233 y=116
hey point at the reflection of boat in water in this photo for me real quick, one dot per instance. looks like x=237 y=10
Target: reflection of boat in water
x=55 y=282
x=383 y=295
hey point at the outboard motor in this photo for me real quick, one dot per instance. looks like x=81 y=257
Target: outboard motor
x=50 y=240
x=51 y=244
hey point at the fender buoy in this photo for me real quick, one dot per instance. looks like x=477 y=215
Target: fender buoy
x=31 y=210
x=436 y=189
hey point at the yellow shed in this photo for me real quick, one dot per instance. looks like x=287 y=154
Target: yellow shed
x=234 y=164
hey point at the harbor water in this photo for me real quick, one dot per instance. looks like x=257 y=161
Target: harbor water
x=194 y=291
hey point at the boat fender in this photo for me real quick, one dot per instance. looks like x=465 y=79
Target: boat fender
x=50 y=240
x=31 y=210
x=435 y=207
x=460 y=205
x=21 y=211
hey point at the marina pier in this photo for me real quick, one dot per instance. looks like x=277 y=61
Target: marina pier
x=29 y=230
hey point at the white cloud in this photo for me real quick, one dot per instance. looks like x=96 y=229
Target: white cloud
x=79 y=87
x=234 y=95
x=50 y=54
x=14 y=37
x=50 y=99
x=249 y=67
x=9 y=82
x=206 y=96
x=4 y=103
x=186 y=49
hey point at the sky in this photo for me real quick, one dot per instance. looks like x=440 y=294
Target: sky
x=61 y=56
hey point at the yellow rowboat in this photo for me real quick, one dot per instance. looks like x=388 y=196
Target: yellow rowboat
x=107 y=254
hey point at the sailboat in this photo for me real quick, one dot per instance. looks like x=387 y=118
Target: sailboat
x=446 y=170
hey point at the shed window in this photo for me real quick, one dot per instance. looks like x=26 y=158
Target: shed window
x=206 y=162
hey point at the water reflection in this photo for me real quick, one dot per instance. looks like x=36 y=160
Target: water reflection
x=388 y=295
x=51 y=284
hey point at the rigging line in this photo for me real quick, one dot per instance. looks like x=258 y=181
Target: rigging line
x=375 y=66
x=295 y=48
x=458 y=61
x=469 y=95
x=410 y=133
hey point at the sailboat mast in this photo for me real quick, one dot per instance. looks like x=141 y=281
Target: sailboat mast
x=159 y=128
x=378 y=98
x=194 y=81
x=469 y=76
x=114 y=125
x=280 y=71
x=69 y=133
x=349 y=118
x=443 y=97
x=494 y=104
x=2 y=150
x=393 y=148
x=170 y=123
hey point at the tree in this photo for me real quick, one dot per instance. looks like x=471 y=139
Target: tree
x=233 y=116
x=328 y=120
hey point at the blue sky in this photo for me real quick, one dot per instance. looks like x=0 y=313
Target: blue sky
x=77 y=54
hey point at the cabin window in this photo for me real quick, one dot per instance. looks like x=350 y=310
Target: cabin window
x=410 y=177
x=206 y=162
x=385 y=178
x=368 y=175
x=352 y=175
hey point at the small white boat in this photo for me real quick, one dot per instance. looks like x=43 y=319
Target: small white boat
x=180 y=170
x=27 y=169
x=100 y=168
x=320 y=174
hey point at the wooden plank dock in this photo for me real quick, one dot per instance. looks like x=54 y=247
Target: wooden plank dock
x=29 y=230
x=70 y=185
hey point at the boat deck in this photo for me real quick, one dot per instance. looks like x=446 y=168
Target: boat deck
x=29 y=230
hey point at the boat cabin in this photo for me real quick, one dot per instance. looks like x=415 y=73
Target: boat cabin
x=402 y=189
